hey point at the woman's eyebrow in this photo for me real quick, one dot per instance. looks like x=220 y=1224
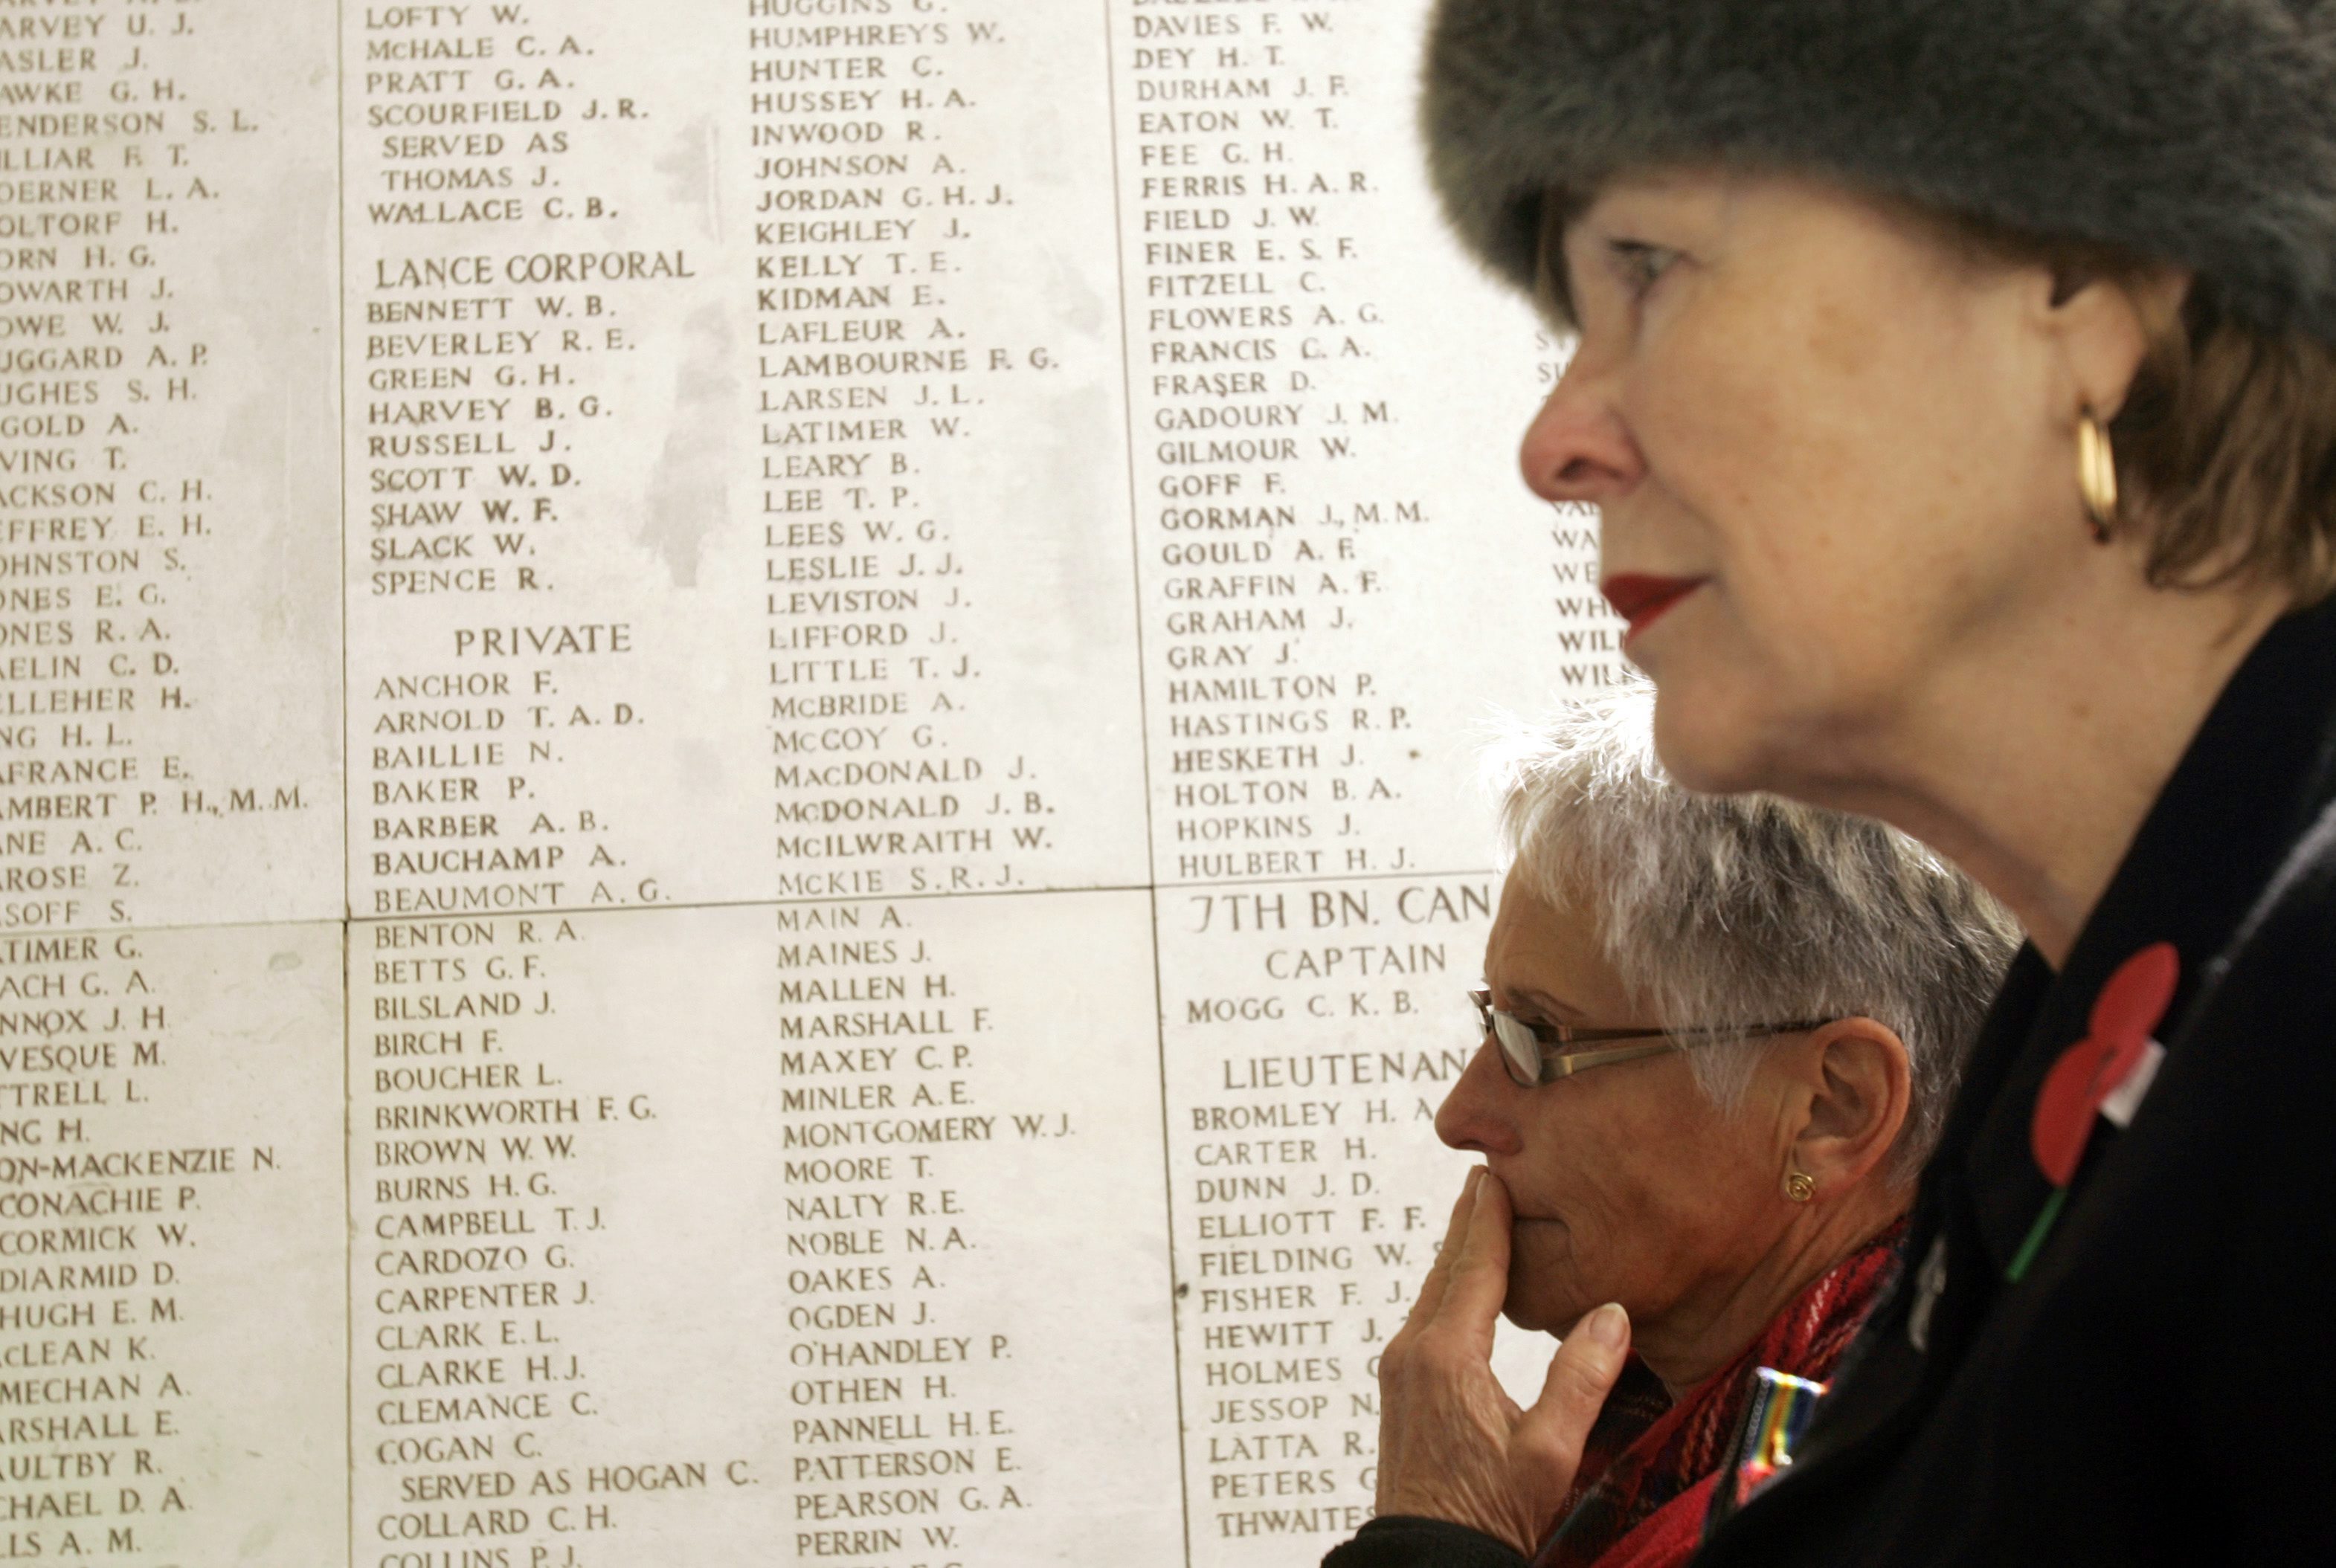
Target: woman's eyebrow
x=1570 y=265
x=1554 y=285
x=1547 y=1003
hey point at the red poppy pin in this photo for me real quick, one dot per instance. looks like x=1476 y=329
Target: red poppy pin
x=2091 y=1073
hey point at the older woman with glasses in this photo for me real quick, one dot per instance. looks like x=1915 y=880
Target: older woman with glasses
x=1719 y=1036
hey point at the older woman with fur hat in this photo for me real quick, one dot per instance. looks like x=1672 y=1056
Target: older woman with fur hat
x=1957 y=384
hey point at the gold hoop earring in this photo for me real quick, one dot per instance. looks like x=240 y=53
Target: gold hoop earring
x=1800 y=1187
x=2097 y=478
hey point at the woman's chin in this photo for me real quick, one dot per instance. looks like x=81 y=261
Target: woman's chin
x=1542 y=1295
x=1704 y=736
x=1543 y=1311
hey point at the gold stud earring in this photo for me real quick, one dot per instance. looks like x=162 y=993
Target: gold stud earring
x=1800 y=1187
x=2097 y=476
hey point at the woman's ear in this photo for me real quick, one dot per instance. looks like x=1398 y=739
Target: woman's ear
x=2103 y=326
x=1859 y=1086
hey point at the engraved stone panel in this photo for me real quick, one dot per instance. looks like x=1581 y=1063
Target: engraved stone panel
x=736 y=820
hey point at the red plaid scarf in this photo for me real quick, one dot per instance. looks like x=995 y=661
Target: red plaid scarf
x=1645 y=1453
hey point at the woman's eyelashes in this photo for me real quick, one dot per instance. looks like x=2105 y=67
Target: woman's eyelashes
x=1638 y=264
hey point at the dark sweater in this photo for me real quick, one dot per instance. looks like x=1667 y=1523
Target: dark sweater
x=2160 y=1386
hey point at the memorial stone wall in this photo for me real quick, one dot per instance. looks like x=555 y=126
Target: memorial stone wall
x=736 y=773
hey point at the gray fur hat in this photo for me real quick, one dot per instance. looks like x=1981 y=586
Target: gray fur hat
x=2196 y=131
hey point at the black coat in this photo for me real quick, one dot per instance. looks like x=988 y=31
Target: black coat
x=2160 y=1385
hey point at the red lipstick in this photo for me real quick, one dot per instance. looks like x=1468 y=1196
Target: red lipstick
x=1641 y=600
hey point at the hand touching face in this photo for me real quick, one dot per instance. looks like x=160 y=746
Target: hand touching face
x=1452 y=1445
x=1628 y=1184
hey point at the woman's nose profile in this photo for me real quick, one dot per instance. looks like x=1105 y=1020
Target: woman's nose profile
x=1470 y=1117
x=1575 y=449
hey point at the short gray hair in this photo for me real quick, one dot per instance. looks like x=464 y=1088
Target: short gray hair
x=1729 y=911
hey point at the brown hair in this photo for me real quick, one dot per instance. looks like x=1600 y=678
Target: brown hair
x=2226 y=443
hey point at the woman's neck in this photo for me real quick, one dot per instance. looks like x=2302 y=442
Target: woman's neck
x=1704 y=1333
x=2033 y=766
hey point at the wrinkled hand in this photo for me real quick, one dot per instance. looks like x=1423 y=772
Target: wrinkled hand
x=1452 y=1445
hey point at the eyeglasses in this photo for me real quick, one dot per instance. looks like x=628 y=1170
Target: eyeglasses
x=1526 y=1048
